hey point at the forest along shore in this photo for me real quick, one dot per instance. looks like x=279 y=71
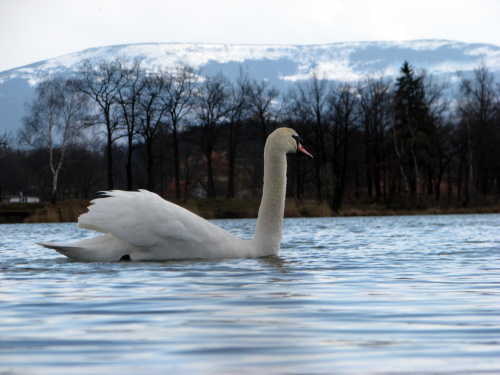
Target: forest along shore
x=69 y=210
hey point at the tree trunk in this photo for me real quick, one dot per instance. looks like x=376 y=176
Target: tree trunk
x=369 y=154
x=210 y=175
x=53 y=196
x=149 y=165
x=128 y=166
x=469 y=190
x=231 y=163
x=317 y=165
x=109 y=150
x=176 y=163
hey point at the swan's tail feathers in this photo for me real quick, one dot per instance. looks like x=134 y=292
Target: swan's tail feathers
x=71 y=251
x=104 y=248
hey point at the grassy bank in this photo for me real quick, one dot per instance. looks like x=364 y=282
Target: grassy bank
x=61 y=212
x=68 y=211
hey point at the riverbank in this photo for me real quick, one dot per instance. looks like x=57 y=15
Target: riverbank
x=69 y=210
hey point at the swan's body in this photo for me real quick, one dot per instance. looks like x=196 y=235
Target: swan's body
x=142 y=226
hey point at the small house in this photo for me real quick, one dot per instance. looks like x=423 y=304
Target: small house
x=21 y=199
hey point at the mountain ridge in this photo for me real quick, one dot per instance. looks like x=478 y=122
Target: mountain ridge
x=282 y=65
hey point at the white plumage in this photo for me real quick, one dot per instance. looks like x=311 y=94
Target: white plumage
x=140 y=225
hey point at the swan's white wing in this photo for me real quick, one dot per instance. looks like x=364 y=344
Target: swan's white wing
x=148 y=222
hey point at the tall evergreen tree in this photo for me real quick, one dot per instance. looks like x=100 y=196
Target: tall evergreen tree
x=413 y=128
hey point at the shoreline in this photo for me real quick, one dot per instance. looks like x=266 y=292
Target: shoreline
x=69 y=210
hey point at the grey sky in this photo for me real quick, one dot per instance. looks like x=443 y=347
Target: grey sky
x=34 y=30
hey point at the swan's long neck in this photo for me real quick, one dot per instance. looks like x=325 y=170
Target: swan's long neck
x=270 y=219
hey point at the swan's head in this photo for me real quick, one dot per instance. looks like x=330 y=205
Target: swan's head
x=289 y=141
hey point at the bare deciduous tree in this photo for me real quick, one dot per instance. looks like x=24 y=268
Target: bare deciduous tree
x=343 y=112
x=262 y=97
x=237 y=113
x=153 y=110
x=374 y=105
x=54 y=118
x=479 y=110
x=102 y=83
x=128 y=99
x=309 y=103
x=178 y=99
x=211 y=111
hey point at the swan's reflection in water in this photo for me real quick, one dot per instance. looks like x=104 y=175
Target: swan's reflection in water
x=280 y=264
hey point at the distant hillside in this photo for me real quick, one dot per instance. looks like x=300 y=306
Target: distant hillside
x=280 y=64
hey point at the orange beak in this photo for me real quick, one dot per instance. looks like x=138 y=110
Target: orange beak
x=303 y=150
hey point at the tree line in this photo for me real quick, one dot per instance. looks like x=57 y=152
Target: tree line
x=115 y=124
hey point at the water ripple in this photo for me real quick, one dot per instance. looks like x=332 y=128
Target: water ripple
x=416 y=294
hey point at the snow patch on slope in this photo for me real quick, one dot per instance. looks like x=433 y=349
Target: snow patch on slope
x=339 y=61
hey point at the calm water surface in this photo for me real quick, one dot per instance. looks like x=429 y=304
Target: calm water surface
x=416 y=294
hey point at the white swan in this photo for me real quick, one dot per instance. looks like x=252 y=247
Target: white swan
x=141 y=225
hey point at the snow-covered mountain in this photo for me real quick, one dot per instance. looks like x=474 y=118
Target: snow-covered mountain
x=282 y=65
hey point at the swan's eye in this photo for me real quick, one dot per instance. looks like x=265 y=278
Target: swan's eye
x=297 y=139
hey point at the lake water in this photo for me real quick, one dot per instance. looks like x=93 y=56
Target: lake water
x=407 y=294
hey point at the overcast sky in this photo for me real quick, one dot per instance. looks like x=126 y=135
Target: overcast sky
x=34 y=30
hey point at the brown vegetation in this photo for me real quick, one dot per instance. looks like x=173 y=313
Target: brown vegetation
x=60 y=212
x=68 y=211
